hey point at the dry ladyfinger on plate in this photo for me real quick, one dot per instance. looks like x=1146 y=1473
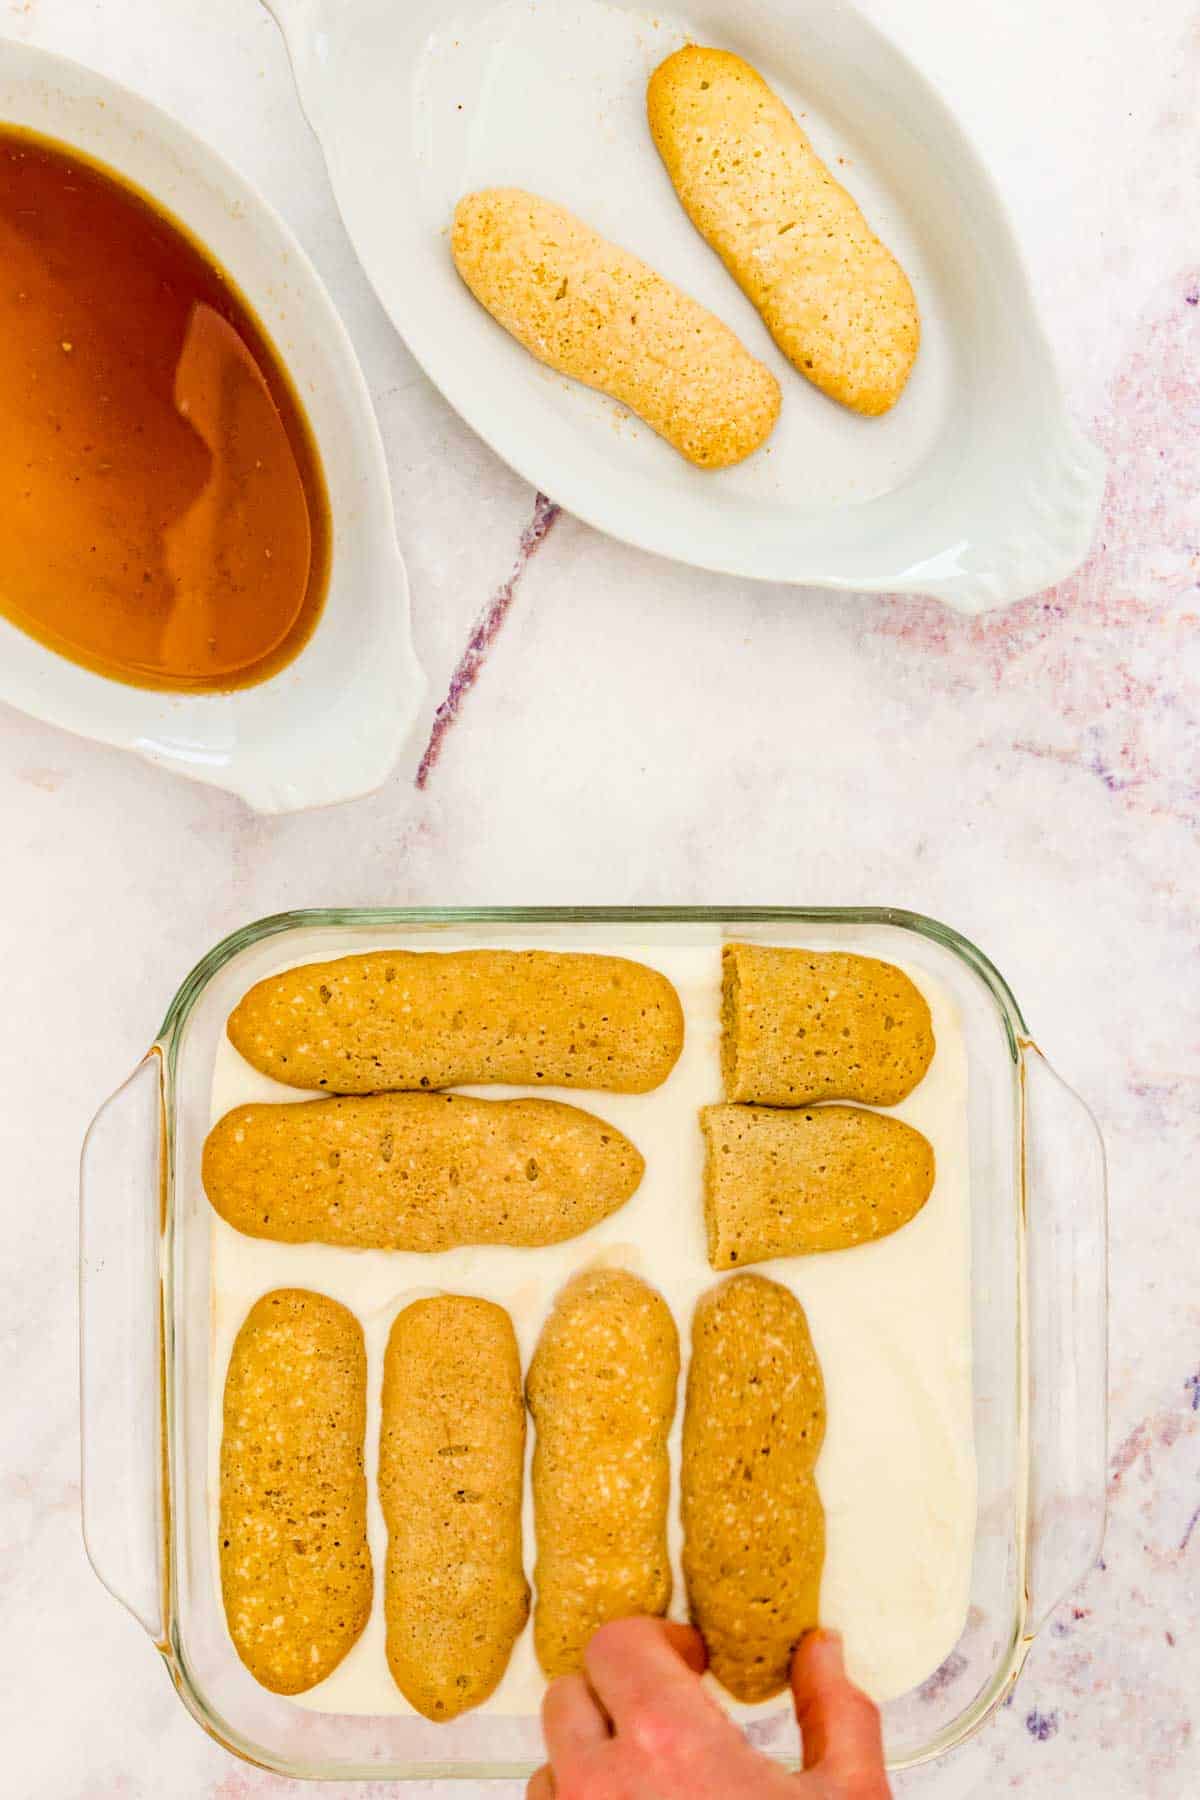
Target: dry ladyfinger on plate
x=295 y=1567
x=804 y=1025
x=833 y=297
x=753 y=1523
x=443 y=1018
x=787 y=1183
x=417 y=1171
x=451 y=1460
x=601 y=1390
x=598 y=313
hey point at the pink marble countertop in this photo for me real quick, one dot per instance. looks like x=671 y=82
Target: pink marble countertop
x=629 y=731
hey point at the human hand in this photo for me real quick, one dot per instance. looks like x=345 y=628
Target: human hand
x=638 y=1725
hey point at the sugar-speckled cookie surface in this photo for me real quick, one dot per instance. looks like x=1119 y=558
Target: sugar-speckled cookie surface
x=789 y=1182
x=417 y=1171
x=799 y=1026
x=445 y=1018
x=451 y=1462
x=599 y=314
x=295 y=1567
x=601 y=1390
x=754 y=1526
x=833 y=296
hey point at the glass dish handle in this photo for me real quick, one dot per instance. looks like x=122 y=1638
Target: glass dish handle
x=1067 y=1296
x=120 y=1344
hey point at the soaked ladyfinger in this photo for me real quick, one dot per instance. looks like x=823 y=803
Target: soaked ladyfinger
x=789 y=1182
x=601 y=1389
x=799 y=1026
x=445 y=1018
x=295 y=1567
x=753 y=1523
x=417 y=1171
x=451 y=1460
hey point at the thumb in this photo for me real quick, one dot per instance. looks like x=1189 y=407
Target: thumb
x=839 y=1724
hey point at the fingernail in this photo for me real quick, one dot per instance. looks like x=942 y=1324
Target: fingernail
x=828 y=1646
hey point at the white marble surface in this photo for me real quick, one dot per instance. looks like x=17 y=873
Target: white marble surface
x=641 y=733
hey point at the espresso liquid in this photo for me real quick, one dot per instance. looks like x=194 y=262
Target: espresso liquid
x=163 y=515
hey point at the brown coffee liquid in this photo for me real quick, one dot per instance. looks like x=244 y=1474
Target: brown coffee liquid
x=163 y=515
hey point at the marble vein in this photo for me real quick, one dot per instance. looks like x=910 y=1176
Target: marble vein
x=484 y=634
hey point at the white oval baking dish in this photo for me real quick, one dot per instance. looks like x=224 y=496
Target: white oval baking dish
x=976 y=488
x=330 y=725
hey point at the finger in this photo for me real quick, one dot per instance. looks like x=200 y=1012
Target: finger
x=638 y=1664
x=572 y=1720
x=686 y=1642
x=839 y=1724
x=541 y=1785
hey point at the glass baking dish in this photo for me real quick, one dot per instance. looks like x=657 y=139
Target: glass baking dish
x=1038 y=1306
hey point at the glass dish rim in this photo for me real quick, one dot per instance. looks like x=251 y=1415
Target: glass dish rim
x=273 y=924
x=167 y=1041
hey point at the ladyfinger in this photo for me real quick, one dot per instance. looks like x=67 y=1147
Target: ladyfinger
x=790 y=1182
x=601 y=1389
x=753 y=1523
x=295 y=1567
x=444 y=1018
x=799 y=1026
x=451 y=1460
x=832 y=296
x=599 y=314
x=417 y=1171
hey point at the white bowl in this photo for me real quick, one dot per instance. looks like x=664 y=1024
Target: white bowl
x=330 y=725
x=976 y=488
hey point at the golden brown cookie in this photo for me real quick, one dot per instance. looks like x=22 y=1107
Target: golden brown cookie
x=451 y=1462
x=799 y=1026
x=832 y=296
x=448 y=1018
x=753 y=1523
x=599 y=314
x=295 y=1567
x=788 y=1182
x=417 y=1171
x=601 y=1390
